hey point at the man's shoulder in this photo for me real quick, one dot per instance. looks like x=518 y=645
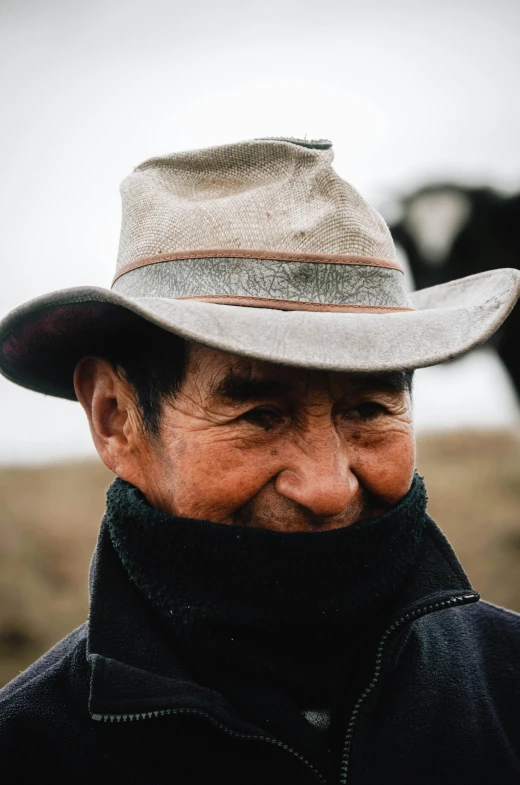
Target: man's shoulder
x=487 y=618
x=477 y=617
x=500 y=614
x=482 y=634
x=48 y=688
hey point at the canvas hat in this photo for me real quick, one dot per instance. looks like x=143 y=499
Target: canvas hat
x=259 y=249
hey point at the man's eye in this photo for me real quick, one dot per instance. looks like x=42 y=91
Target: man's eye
x=265 y=418
x=365 y=411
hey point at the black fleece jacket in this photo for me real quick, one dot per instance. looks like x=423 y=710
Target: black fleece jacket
x=112 y=703
x=283 y=624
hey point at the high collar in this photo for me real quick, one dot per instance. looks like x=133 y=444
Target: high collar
x=134 y=669
x=209 y=578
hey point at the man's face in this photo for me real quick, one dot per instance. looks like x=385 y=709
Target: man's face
x=251 y=443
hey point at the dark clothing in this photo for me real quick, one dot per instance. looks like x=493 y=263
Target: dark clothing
x=278 y=623
x=434 y=699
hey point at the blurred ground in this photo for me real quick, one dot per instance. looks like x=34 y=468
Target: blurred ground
x=49 y=518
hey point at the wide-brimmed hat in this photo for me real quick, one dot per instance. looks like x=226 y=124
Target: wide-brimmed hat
x=259 y=249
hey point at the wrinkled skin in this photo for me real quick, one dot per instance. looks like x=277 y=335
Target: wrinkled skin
x=321 y=452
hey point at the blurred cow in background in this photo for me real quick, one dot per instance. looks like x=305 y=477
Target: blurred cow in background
x=449 y=231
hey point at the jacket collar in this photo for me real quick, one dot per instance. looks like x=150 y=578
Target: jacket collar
x=133 y=668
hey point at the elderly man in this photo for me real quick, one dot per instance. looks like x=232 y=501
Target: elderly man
x=270 y=602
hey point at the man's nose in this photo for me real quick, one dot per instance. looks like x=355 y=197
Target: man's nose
x=318 y=475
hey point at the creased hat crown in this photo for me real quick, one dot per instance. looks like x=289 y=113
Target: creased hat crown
x=265 y=223
x=272 y=194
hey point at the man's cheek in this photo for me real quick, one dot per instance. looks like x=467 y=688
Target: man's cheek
x=227 y=488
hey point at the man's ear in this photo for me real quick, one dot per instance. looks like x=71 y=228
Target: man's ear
x=112 y=413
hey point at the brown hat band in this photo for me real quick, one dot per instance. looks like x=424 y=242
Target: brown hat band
x=311 y=283
x=242 y=253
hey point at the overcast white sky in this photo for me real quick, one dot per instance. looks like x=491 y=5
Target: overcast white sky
x=407 y=91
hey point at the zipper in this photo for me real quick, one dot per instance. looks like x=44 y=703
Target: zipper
x=236 y=734
x=347 y=745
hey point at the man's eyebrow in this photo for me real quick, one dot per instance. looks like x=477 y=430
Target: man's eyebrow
x=235 y=387
x=391 y=381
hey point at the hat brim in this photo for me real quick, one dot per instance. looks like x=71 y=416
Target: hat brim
x=449 y=320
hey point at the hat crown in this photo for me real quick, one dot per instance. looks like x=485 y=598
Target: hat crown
x=275 y=194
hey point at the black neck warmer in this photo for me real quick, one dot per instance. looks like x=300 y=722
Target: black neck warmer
x=266 y=618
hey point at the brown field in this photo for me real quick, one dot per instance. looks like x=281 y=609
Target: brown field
x=49 y=518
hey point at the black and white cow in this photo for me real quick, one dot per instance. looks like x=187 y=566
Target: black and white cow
x=449 y=231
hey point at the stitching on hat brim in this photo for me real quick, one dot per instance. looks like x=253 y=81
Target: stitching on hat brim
x=280 y=256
